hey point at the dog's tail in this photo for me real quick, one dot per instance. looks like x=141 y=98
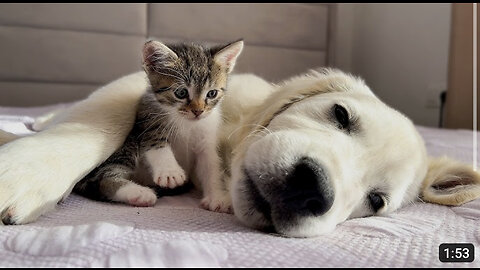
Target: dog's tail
x=6 y=137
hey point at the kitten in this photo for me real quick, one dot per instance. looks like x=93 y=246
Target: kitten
x=174 y=135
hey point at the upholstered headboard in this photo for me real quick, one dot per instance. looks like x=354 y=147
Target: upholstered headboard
x=52 y=53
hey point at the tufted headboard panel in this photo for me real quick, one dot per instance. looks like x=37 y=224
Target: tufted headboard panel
x=51 y=53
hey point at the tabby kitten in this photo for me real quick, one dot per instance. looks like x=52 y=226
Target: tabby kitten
x=174 y=135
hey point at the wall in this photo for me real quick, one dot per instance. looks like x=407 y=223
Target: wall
x=401 y=50
x=54 y=53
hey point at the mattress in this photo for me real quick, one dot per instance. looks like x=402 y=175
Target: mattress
x=176 y=232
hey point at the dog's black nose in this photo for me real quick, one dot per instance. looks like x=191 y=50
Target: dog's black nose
x=308 y=190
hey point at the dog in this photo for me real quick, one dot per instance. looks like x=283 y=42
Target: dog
x=298 y=158
x=321 y=148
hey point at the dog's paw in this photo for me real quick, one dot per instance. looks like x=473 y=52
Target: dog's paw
x=28 y=188
x=21 y=206
x=221 y=204
x=136 y=195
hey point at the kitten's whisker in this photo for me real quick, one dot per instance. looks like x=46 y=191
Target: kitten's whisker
x=176 y=88
x=167 y=74
x=255 y=125
x=175 y=72
x=255 y=133
x=155 y=122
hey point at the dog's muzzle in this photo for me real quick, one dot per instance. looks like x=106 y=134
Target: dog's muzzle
x=284 y=200
x=307 y=189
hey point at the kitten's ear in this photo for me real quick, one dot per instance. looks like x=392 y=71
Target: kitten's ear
x=227 y=56
x=450 y=182
x=156 y=53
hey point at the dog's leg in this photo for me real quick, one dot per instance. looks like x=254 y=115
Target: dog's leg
x=39 y=170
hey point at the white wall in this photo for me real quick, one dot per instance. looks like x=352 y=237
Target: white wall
x=401 y=50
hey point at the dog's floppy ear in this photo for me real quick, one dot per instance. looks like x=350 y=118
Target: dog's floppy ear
x=450 y=182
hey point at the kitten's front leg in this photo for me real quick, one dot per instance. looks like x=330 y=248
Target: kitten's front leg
x=215 y=194
x=166 y=171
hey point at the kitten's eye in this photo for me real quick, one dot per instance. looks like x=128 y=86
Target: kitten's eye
x=212 y=93
x=342 y=116
x=376 y=201
x=181 y=93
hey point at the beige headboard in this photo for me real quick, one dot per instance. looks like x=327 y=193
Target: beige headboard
x=52 y=53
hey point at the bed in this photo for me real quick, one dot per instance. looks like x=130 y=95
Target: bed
x=176 y=232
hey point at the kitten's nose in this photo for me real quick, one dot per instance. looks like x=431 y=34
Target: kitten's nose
x=197 y=112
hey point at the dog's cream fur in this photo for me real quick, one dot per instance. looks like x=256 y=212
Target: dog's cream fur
x=261 y=135
x=385 y=154
x=37 y=171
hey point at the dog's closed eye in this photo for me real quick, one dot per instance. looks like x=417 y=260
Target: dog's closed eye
x=341 y=114
x=344 y=119
x=376 y=201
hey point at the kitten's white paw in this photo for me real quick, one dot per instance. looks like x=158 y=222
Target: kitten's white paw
x=170 y=178
x=136 y=195
x=218 y=203
x=166 y=171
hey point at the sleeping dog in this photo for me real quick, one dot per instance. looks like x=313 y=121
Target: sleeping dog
x=298 y=158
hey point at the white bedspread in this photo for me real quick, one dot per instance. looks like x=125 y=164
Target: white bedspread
x=177 y=233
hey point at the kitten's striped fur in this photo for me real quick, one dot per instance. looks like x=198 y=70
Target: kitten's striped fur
x=187 y=84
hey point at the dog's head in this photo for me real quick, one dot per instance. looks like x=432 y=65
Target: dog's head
x=325 y=149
